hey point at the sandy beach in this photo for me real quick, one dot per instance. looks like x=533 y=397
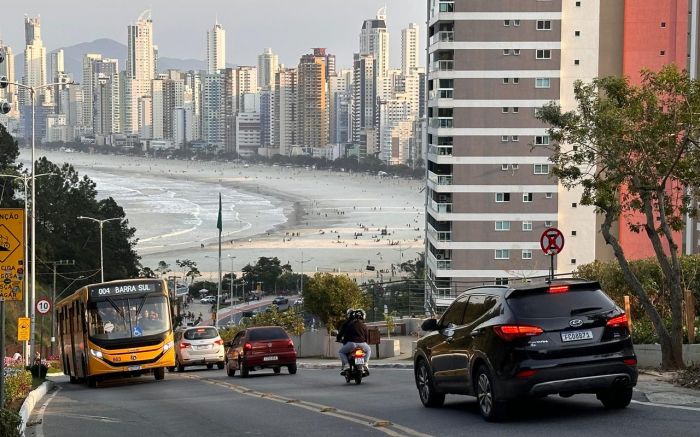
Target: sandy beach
x=315 y=220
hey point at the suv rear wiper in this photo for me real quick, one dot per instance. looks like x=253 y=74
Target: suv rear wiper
x=577 y=311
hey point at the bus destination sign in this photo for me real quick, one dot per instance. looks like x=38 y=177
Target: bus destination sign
x=112 y=290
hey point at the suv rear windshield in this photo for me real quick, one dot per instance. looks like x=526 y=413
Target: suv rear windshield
x=260 y=334
x=574 y=302
x=200 y=334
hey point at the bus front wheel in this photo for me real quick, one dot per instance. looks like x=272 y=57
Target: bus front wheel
x=159 y=373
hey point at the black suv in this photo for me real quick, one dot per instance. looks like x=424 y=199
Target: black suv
x=500 y=343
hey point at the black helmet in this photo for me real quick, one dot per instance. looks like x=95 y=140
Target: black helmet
x=360 y=314
x=350 y=313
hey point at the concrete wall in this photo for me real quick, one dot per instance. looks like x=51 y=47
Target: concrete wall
x=649 y=355
x=320 y=344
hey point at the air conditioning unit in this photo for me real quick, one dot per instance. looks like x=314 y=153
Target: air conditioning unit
x=439 y=255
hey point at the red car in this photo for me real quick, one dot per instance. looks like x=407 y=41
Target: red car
x=261 y=347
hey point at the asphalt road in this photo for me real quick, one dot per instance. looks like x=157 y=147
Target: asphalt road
x=317 y=402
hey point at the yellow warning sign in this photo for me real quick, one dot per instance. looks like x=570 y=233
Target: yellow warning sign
x=23 y=326
x=12 y=265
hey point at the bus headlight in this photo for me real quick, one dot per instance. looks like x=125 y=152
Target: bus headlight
x=168 y=346
x=96 y=354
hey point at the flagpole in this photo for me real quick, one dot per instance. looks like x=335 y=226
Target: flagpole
x=219 y=224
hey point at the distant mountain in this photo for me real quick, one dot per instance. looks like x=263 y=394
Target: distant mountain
x=108 y=48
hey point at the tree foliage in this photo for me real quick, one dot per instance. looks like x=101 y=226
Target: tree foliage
x=633 y=150
x=329 y=296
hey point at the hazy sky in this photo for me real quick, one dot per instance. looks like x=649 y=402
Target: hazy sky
x=290 y=27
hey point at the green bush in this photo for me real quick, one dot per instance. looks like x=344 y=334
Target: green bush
x=9 y=423
x=18 y=384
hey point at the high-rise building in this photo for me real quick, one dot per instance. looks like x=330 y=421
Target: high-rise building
x=284 y=121
x=409 y=49
x=87 y=88
x=312 y=100
x=268 y=65
x=267 y=106
x=34 y=59
x=106 y=103
x=213 y=117
x=57 y=65
x=339 y=91
x=216 y=49
x=374 y=40
x=246 y=83
x=364 y=95
x=140 y=71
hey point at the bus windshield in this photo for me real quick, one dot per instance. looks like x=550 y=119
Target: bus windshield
x=133 y=317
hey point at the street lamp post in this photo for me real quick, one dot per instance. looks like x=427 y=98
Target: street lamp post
x=101 y=222
x=63 y=262
x=231 y=278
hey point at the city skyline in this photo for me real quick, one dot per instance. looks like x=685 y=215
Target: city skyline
x=311 y=27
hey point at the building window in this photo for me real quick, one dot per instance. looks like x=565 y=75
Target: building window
x=504 y=167
x=506 y=23
x=578 y=4
x=527 y=197
x=504 y=110
x=515 y=138
x=527 y=254
x=662 y=52
x=516 y=52
x=502 y=254
x=574 y=205
x=503 y=226
x=527 y=226
x=577 y=33
x=541 y=168
x=543 y=54
x=516 y=80
x=542 y=140
x=542 y=82
x=504 y=138
x=505 y=80
x=663 y=24
x=514 y=166
x=516 y=23
x=516 y=109
x=576 y=62
x=502 y=197
x=573 y=233
x=544 y=25
x=573 y=260
x=501 y=281
x=548 y=195
x=548 y=223
x=506 y=52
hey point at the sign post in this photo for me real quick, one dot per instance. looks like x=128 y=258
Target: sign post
x=552 y=243
x=11 y=272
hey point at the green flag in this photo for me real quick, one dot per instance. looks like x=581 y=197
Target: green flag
x=219 y=223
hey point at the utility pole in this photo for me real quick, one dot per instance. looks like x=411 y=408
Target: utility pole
x=302 y=261
x=63 y=262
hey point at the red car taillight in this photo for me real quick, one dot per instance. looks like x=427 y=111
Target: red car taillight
x=511 y=332
x=630 y=362
x=219 y=342
x=558 y=289
x=247 y=347
x=526 y=373
x=617 y=322
x=290 y=343
x=184 y=345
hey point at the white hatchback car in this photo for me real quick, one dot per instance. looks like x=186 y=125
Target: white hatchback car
x=198 y=345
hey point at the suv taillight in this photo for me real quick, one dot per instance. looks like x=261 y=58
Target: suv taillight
x=184 y=345
x=219 y=342
x=247 y=347
x=290 y=343
x=511 y=332
x=617 y=322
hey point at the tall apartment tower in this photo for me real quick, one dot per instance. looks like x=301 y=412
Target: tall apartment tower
x=374 y=40
x=312 y=100
x=284 y=118
x=339 y=93
x=268 y=65
x=364 y=95
x=87 y=88
x=140 y=71
x=34 y=58
x=489 y=193
x=216 y=49
x=409 y=49
x=57 y=65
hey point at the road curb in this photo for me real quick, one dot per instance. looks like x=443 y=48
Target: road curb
x=30 y=402
x=373 y=365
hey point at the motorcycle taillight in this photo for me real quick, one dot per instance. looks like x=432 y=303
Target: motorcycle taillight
x=359 y=353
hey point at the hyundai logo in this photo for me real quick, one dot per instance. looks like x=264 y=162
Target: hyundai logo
x=576 y=323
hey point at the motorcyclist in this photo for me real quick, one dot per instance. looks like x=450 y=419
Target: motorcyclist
x=353 y=334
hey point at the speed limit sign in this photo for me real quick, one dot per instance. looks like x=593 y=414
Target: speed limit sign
x=43 y=306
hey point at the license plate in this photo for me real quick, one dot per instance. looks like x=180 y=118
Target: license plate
x=270 y=358
x=359 y=361
x=206 y=346
x=132 y=368
x=577 y=335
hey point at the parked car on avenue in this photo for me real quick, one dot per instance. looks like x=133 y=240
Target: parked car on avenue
x=280 y=300
x=501 y=343
x=260 y=347
x=198 y=345
x=208 y=299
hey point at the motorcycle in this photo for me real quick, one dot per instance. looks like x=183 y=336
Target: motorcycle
x=357 y=369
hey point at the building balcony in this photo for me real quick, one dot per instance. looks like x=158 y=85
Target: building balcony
x=441 y=122
x=440 y=150
x=443 y=36
x=443 y=236
x=439 y=262
x=446 y=6
x=444 y=65
x=447 y=93
x=440 y=179
x=441 y=207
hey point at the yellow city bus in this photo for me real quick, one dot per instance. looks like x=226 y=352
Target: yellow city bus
x=120 y=327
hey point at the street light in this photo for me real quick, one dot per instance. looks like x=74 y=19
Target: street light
x=32 y=92
x=101 y=222
x=231 y=278
x=63 y=262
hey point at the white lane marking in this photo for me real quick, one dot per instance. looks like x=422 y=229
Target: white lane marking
x=39 y=428
x=676 y=407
